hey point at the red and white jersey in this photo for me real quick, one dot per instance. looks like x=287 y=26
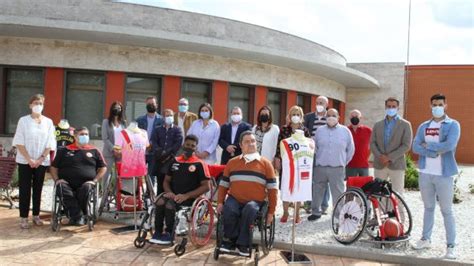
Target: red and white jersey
x=297 y=153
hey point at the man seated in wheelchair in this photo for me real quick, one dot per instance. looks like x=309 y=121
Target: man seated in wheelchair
x=248 y=181
x=186 y=180
x=75 y=170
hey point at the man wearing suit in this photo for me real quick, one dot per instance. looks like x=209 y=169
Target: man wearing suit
x=183 y=119
x=391 y=139
x=313 y=121
x=230 y=133
x=149 y=122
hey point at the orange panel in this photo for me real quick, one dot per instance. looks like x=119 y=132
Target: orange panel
x=115 y=89
x=53 y=92
x=330 y=103
x=171 y=93
x=313 y=103
x=220 y=100
x=342 y=112
x=291 y=98
x=260 y=99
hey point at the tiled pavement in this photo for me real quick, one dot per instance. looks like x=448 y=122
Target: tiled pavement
x=76 y=245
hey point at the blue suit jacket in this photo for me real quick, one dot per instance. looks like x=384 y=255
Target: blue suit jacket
x=142 y=122
x=225 y=140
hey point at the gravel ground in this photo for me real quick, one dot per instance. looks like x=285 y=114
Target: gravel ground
x=319 y=232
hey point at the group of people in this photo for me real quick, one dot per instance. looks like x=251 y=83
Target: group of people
x=183 y=143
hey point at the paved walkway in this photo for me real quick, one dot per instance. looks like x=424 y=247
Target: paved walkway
x=76 y=245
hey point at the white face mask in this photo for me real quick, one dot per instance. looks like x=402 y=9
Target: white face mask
x=251 y=157
x=236 y=118
x=37 y=109
x=332 y=121
x=169 y=120
x=295 y=119
x=320 y=108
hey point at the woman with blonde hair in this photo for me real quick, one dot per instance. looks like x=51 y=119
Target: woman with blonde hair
x=294 y=121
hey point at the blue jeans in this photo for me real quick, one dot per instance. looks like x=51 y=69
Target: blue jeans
x=238 y=218
x=443 y=187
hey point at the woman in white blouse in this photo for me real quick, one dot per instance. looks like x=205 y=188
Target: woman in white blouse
x=207 y=130
x=266 y=133
x=34 y=139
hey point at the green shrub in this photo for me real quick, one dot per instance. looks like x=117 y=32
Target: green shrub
x=457 y=198
x=411 y=174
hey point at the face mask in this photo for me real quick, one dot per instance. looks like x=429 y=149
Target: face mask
x=116 y=111
x=205 y=115
x=169 y=120
x=188 y=152
x=437 y=111
x=320 y=108
x=295 y=119
x=355 y=121
x=236 y=118
x=37 y=108
x=83 y=139
x=264 y=118
x=251 y=157
x=150 y=108
x=391 y=111
x=332 y=121
x=183 y=108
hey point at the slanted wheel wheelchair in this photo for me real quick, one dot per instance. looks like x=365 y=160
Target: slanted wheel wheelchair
x=366 y=206
x=58 y=211
x=267 y=235
x=195 y=222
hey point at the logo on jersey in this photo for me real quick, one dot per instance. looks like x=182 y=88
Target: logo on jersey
x=88 y=154
x=192 y=168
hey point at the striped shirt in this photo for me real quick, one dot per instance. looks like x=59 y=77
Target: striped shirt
x=319 y=121
x=254 y=181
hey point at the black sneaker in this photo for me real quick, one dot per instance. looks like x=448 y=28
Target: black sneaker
x=227 y=246
x=313 y=217
x=244 y=251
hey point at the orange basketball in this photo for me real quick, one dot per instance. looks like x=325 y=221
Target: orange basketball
x=128 y=203
x=392 y=228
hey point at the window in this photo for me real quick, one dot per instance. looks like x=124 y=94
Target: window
x=336 y=105
x=304 y=101
x=137 y=90
x=240 y=96
x=21 y=85
x=274 y=100
x=197 y=92
x=85 y=100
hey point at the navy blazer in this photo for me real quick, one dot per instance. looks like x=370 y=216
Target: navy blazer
x=166 y=142
x=142 y=122
x=225 y=139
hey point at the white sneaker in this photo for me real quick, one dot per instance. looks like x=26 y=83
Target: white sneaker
x=450 y=253
x=421 y=244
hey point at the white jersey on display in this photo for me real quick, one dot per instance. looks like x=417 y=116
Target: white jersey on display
x=297 y=153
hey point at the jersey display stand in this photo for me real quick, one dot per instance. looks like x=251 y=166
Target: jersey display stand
x=297 y=154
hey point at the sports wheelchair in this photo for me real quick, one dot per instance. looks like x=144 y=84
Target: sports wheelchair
x=267 y=235
x=58 y=211
x=195 y=222
x=372 y=206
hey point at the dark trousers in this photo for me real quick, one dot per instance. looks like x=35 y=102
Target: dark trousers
x=238 y=218
x=150 y=161
x=75 y=199
x=166 y=210
x=30 y=178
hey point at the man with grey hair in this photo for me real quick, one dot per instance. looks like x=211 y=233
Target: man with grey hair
x=230 y=134
x=313 y=121
x=334 y=150
x=359 y=165
x=184 y=118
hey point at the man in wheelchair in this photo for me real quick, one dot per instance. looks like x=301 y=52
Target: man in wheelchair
x=186 y=180
x=248 y=181
x=75 y=170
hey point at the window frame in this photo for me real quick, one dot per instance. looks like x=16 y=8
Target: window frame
x=251 y=95
x=284 y=105
x=142 y=75
x=211 y=89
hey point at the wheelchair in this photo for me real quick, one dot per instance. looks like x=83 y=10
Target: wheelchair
x=195 y=222
x=367 y=206
x=59 y=212
x=267 y=235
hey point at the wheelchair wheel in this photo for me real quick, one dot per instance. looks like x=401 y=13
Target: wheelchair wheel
x=180 y=249
x=56 y=211
x=267 y=233
x=349 y=216
x=219 y=231
x=139 y=242
x=91 y=210
x=202 y=222
x=403 y=215
x=216 y=253
x=256 y=258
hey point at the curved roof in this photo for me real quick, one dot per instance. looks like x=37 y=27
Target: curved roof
x=145 y=26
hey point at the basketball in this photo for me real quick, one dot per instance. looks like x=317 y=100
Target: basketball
x=392 y=228
x=127 y=203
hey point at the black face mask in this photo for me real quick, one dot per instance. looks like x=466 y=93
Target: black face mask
x=150 y=108
x=188 y=152
x=264 y=118
x=116 y=111
x=355 y=121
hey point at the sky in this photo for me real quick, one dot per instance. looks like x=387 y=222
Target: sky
x=441 y=31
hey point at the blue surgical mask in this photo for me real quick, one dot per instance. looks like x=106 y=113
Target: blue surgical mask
x=183 y=108
x=83 y=139
x=169 y=120
x=437 y=111
x=391 y=111
x=205 y=115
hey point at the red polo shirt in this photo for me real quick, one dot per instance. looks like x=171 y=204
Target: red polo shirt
x=362 y=146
